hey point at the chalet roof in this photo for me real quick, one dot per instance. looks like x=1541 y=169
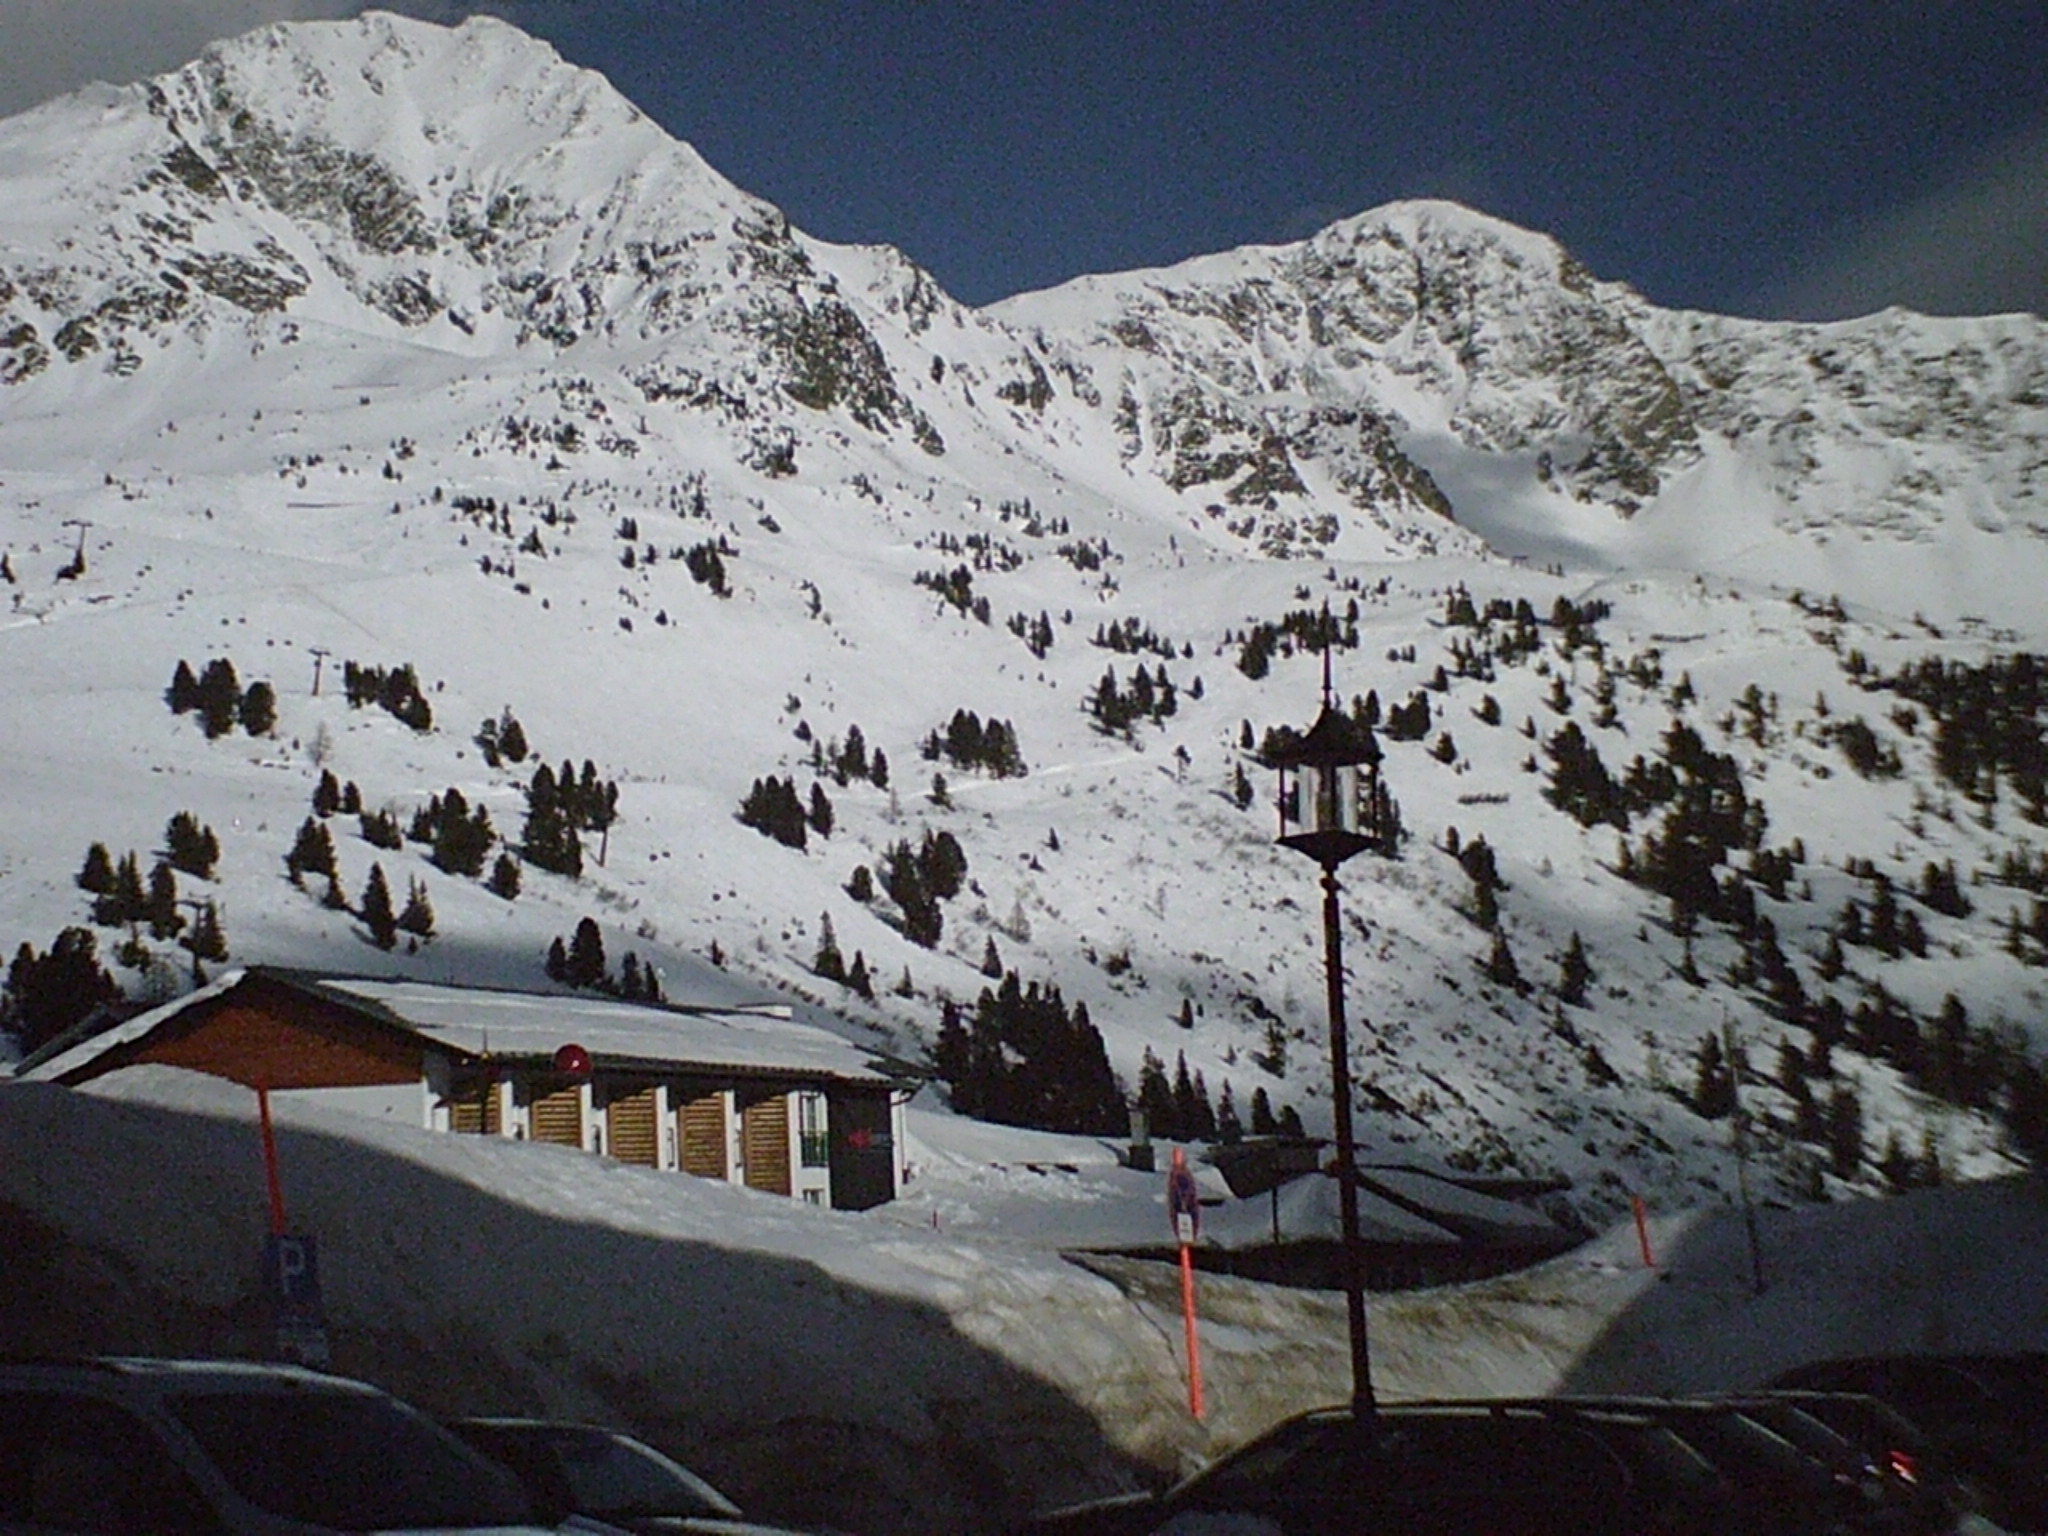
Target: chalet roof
x=517 y=1027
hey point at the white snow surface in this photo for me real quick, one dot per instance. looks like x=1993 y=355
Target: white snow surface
x=381 y=342
x=879 y=1372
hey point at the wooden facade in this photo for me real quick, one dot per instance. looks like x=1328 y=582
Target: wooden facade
x=814 y=1134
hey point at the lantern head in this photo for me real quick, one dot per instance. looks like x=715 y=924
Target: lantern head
x=572 y=1060
x=1329 y=789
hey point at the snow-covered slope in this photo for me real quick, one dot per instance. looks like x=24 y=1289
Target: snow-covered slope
x=872 y=1373
x=383 y=343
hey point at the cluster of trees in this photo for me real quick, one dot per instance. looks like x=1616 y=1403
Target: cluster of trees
x=851 y=761
x=1988 y=723
x=1308 y=629
x=47 y=994
x=459 y=835
x=775 y=809
x=968 y=743
x=581 y=963
x=1026 y=1059
x=502 y=740
x=917 y=880
x=832 y=965
x=706 y=565
x=560 y=807
x=1180 y=1109
x=1116 y=708
x=1037 y=634
x=217 y=696
x=384 y=922
x=1131 y=638
x=956 y=589
x=396 y=690
x=123 y=899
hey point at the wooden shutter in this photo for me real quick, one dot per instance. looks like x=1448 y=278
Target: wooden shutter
x=630 y=1134
x=764 y=1142
x=704 y=1137
x=558 y=1118
x=476 y=1112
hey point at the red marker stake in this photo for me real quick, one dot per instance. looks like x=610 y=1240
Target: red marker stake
x=270 y=1163
x=1642 y=1230
x=1187 y=1307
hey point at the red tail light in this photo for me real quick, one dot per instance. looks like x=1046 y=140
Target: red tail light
x=1904 y=1464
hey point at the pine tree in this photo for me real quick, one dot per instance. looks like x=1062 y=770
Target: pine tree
x=827 y=962
x=191 y=848
x=165 y=921
x=326 y=794
x=1229 y=1128
x=47 y=994
x=1501 y=968
x=857 y=979
x=97 y=874
x=1844 y=1132
x=312 y=853
x=377 y=914
x=557 y=964
x=991 y=961
x=258 y=709
x=183 y=694
x=586 y=963
x=1713 y=1092
x=820 y=817
x=1155 y=1097
x=418 y=917
x=219 y=697
x=127 y=902
x=861 y=887
x=207 y=940
x=1263 y=1123
x=504 y=881
x=1574 y=972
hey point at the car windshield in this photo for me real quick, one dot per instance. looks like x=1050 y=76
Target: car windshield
x=604 y=1473
x=353 y=1461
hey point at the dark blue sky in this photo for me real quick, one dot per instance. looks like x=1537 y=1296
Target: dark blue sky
x=1751 y=157
x=1774 y=157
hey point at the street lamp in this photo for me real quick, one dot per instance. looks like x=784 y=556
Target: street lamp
x=1333 y=807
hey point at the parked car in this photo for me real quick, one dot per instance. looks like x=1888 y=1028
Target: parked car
x=588 y=1476
x=1985 y=1415
x=117 y=1447
x=1442 y=1469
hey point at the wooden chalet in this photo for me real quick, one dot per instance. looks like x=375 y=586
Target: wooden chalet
x=741 y=1093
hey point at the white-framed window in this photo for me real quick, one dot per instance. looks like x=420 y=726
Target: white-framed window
x=814 y=1147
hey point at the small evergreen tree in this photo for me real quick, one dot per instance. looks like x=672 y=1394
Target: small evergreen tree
x=504 y=881
x=557 y=963
x=165 y=920
x=97 y=874
x=377 y=914
x=47 y=994
x=1574 y=972
x=183 y=694
x=586 y=962
x=991 y=961
x=258 y=709
x=828 y=962
x=220 y=697
x=1263 y=1123
x=857 y=979
x=191 y=848
x=418 y=917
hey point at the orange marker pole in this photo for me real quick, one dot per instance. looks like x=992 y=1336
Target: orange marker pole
x=1187 y=1307
x=270 y=1162
x=1642 y=1230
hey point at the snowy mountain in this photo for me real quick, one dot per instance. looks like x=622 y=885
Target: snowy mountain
x=380 y=343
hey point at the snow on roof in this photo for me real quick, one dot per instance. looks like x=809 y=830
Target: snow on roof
x=1308 y=1209
x=537 y=1024
x=54 y=1067
x=747 y=1037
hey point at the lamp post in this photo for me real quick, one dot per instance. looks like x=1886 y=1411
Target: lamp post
x=1333 y=807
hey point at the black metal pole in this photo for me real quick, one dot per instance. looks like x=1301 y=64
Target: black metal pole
x=1363 y=1408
